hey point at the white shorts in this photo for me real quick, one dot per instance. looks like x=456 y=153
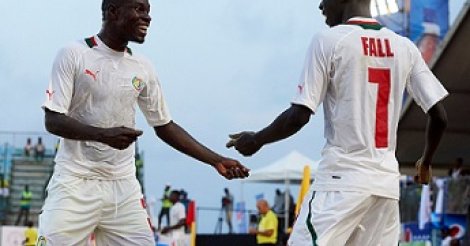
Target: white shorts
x=77 y=207
x=337 y=218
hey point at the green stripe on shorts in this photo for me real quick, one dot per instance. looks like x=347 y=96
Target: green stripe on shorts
x=309 y=223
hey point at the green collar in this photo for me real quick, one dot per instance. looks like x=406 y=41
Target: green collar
x=366 y=24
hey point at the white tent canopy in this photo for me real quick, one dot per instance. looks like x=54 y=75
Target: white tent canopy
x=289 y=168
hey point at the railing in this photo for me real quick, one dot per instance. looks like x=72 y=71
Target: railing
x=13 y=144
x=213 y=217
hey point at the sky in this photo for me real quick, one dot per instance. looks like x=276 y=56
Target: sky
x=225 y=66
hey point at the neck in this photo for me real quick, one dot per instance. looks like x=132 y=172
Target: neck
x=111 y=40
x=356 y=10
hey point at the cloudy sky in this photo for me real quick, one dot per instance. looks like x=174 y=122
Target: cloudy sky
x=225 y=66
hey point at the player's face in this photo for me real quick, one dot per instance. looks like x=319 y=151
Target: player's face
x=135 y=20
x=174 y=197
x=333 y=11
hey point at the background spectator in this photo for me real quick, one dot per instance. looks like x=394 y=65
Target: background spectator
x=30 y=234
x=28 y=148
x=227 y=206
x=455 y=172
x=166 y=205
x=25 y=205
x=266 y=233
x=4 y=192
x=39 y=150
x=185 y=201
x=278 y=206
x=177 y=219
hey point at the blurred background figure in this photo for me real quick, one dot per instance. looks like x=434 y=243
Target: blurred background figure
x=25 y=205
x=30 y=234
x=28 y=148
x=39 y=150
x=177 y=220
x=278 y=208
x=456 y=171
x=185 y=201
x=266 y=233
x=227 y=206
x=166 y=205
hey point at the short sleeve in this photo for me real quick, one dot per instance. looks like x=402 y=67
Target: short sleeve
x=60 y=90
x=181 y=213
x=423 y=86
x=271 y=223
x=152 y=102
x=313 y=82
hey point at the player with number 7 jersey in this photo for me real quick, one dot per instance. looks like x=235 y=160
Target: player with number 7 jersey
x=360 y=71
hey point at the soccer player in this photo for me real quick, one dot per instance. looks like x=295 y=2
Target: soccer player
x=359 y=70
x=94 y=88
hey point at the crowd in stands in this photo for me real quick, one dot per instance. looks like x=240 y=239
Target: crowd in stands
x=37 y=151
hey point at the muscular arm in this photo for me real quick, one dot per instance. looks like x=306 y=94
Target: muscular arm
x=437 y=123
x=179 y=139
x=67 y=127
x=284 y=126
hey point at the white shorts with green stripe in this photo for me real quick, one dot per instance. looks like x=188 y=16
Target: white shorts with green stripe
x=111 y=209
x=337 y=218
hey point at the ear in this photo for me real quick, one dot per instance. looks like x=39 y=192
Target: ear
x=112 y=12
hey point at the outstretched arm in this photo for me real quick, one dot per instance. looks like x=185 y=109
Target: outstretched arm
x=70 y=128
x=284 y=126
x=437 y=123
x=179 y=139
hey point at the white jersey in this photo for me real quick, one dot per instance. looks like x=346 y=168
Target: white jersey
x=100 y=87
x=359 y=71
x=177 y=213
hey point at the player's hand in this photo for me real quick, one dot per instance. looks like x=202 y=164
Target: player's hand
x=119 y=137
x=231 y=169
x=165 y=230
x=244 y=142
x=424 y=172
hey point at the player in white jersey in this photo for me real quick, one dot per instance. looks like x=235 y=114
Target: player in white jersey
x=94 y=88
x=359 y=70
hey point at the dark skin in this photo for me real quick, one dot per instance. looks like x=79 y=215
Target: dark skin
x=293 y=119
x=124 y=22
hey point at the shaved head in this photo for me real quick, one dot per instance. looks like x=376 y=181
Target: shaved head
x=106 y=3
x=263 y=206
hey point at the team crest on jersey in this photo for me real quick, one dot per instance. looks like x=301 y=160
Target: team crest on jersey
x=41 y=241
x=138 y=83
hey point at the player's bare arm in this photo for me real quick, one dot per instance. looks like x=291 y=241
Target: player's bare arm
x=285 y=125
x=180 y=224
x=179 y=139
x=437 y=123
x=67 y=127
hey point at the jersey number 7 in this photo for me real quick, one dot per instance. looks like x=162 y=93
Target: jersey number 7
x=381 y=76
